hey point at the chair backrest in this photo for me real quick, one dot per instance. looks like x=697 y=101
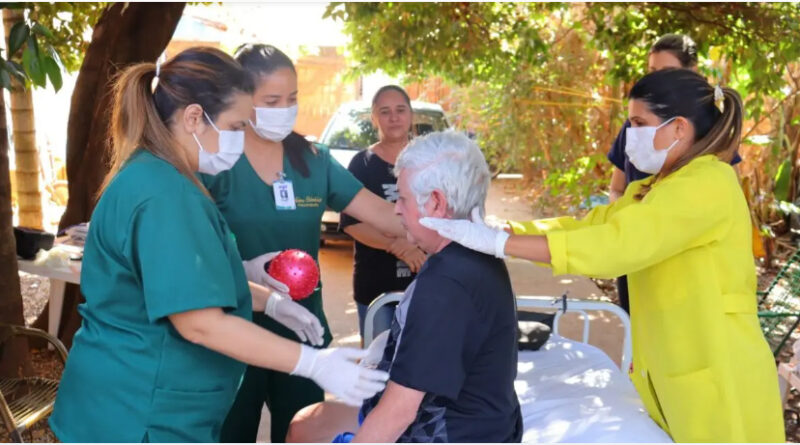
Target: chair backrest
x=371 y=328
x=36 y=404
x=5 y=414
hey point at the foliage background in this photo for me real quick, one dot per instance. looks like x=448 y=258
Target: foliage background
x=542 y=84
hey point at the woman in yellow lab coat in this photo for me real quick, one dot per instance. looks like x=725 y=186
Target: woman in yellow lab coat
x=700 y=362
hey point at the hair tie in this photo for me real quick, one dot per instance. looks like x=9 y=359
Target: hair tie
x=159 y=60
x=719 y=98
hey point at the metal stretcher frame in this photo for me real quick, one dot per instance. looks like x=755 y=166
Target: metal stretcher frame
x=559 y=304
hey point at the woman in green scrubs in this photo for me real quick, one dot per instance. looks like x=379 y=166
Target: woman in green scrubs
x=273 y=199
x=166 y=329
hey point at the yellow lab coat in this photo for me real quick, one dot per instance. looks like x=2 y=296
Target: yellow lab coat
x=700 y=362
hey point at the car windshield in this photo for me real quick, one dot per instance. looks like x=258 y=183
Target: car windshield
x=354 y=130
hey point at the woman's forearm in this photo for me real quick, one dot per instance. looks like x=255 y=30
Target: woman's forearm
x=237 y=338
x=369 y=208
x=260 y=296
x=529 y=247
x=368 y=235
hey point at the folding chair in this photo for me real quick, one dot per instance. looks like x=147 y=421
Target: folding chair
x=37 y=394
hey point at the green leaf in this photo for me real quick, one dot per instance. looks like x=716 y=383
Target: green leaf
x=33 y=45
x=5 y=79
x=782 y=181
x=27 y=56
x=53 y=71
x=33 y=67
x=40 y=29
x=19 y=33
x=51 y=51
x=15 y=70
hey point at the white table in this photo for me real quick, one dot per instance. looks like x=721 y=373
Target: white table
x=58 y=276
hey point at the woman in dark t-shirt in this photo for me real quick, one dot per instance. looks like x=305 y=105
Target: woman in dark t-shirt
x=382 y=263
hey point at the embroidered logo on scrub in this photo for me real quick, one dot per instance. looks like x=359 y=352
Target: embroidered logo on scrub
x=308 y=201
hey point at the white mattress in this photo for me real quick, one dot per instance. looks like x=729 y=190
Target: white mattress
x=572 y=392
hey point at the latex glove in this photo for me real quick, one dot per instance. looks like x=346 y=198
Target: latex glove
x=295 y=317
x=492 y=222
x=375 y=350
x=473 y=234
x=336 y=372
x=254 y=269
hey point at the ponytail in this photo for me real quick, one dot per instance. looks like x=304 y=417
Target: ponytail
x=135 y=123
x=140 y=115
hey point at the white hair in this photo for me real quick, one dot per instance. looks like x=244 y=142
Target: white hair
x=450 y=162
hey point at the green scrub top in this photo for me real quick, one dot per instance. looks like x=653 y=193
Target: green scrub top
x=248 y=204
x=156 y=246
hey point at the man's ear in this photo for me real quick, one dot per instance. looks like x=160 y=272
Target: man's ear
x=439 y=202
x=193 y=120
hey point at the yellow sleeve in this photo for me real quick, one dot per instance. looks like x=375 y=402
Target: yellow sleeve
x=680 y=213
x=598 y=215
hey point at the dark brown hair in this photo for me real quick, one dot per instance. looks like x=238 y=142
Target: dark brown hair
x=141 y=116
x=262 y=60
x=681 y=92
x=679 y=45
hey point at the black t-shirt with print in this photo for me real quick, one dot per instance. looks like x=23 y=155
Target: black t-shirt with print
x=375 y=271
x=454 y=337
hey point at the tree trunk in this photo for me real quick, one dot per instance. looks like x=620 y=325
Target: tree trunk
x=29 y=198
x=14 y=356
x=125 y=34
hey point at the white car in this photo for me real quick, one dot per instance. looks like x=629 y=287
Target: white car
x=350 y=130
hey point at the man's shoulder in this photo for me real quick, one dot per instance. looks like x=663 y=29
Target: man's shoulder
x=461 y=268
x=461 y=262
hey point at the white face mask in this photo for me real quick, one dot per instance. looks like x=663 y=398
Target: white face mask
x=641 y=151
x=274 y=123
x=231 y=147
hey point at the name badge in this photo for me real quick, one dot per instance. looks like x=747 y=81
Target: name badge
x=284 y=195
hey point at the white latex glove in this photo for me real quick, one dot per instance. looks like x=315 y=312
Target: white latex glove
x=375 y=350
x=295 y=317
x=254 y=269
x=473 y=234
x=336 y=372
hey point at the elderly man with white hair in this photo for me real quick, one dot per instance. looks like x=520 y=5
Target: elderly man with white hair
x=452 y=349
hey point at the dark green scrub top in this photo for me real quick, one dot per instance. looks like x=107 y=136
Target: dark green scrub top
x=156 y=246
x=248 y=204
